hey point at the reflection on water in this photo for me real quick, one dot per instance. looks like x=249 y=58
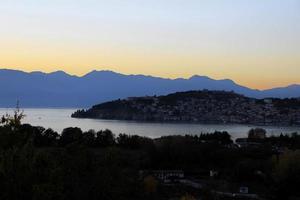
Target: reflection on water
x=58 y=119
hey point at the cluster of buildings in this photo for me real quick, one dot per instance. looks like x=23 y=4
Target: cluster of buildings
x=214 y=107
x=180 y=178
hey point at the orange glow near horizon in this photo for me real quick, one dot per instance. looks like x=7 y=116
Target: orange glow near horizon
x=256 y=44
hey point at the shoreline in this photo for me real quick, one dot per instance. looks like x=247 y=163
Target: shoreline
x=192 y=122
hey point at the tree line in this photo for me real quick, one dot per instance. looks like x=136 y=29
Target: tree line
x=39 y=163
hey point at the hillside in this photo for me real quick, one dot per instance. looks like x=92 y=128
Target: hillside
x=199 y=106
x=59 y=89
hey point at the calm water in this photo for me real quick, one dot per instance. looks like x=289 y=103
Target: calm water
x=58 y=119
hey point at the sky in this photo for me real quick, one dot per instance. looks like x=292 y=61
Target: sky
x=254 y=42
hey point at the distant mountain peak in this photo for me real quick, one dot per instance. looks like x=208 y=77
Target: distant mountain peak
x=294 y=86
x=101 y=72
x=227 y=80
x=59 y=72
x=195 y=77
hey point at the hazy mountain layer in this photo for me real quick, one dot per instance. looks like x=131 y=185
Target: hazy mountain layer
x=59 y=89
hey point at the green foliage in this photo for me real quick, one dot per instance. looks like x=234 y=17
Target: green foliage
x=43 y=169
x=15 y=120
x=38 y=163
x=70 y=135
x=105 y=138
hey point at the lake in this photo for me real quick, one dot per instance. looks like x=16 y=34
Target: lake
x=58 y=119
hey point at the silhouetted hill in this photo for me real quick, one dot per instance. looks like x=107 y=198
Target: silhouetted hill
x=199 y=106
x=59 y=89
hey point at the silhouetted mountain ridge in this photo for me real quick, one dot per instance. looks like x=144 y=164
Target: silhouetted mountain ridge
x=59 y=89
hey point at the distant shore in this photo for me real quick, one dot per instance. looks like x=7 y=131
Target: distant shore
x=217 y=107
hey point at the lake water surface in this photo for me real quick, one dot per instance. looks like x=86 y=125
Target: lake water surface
x=58 y=119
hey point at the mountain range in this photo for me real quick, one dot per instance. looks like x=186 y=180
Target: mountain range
x=59 y=89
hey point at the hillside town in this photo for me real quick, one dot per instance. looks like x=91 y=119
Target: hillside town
x=199 y=106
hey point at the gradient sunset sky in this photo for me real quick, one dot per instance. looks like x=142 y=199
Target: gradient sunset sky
x=254 y=42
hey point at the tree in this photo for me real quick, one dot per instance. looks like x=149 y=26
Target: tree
x=257 y=133
x=49 y=137
x=88 y=138
x=70 y=135
x=15 y=120
x=105 y=138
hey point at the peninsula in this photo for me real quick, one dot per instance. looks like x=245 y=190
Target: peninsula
x=199 y=106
